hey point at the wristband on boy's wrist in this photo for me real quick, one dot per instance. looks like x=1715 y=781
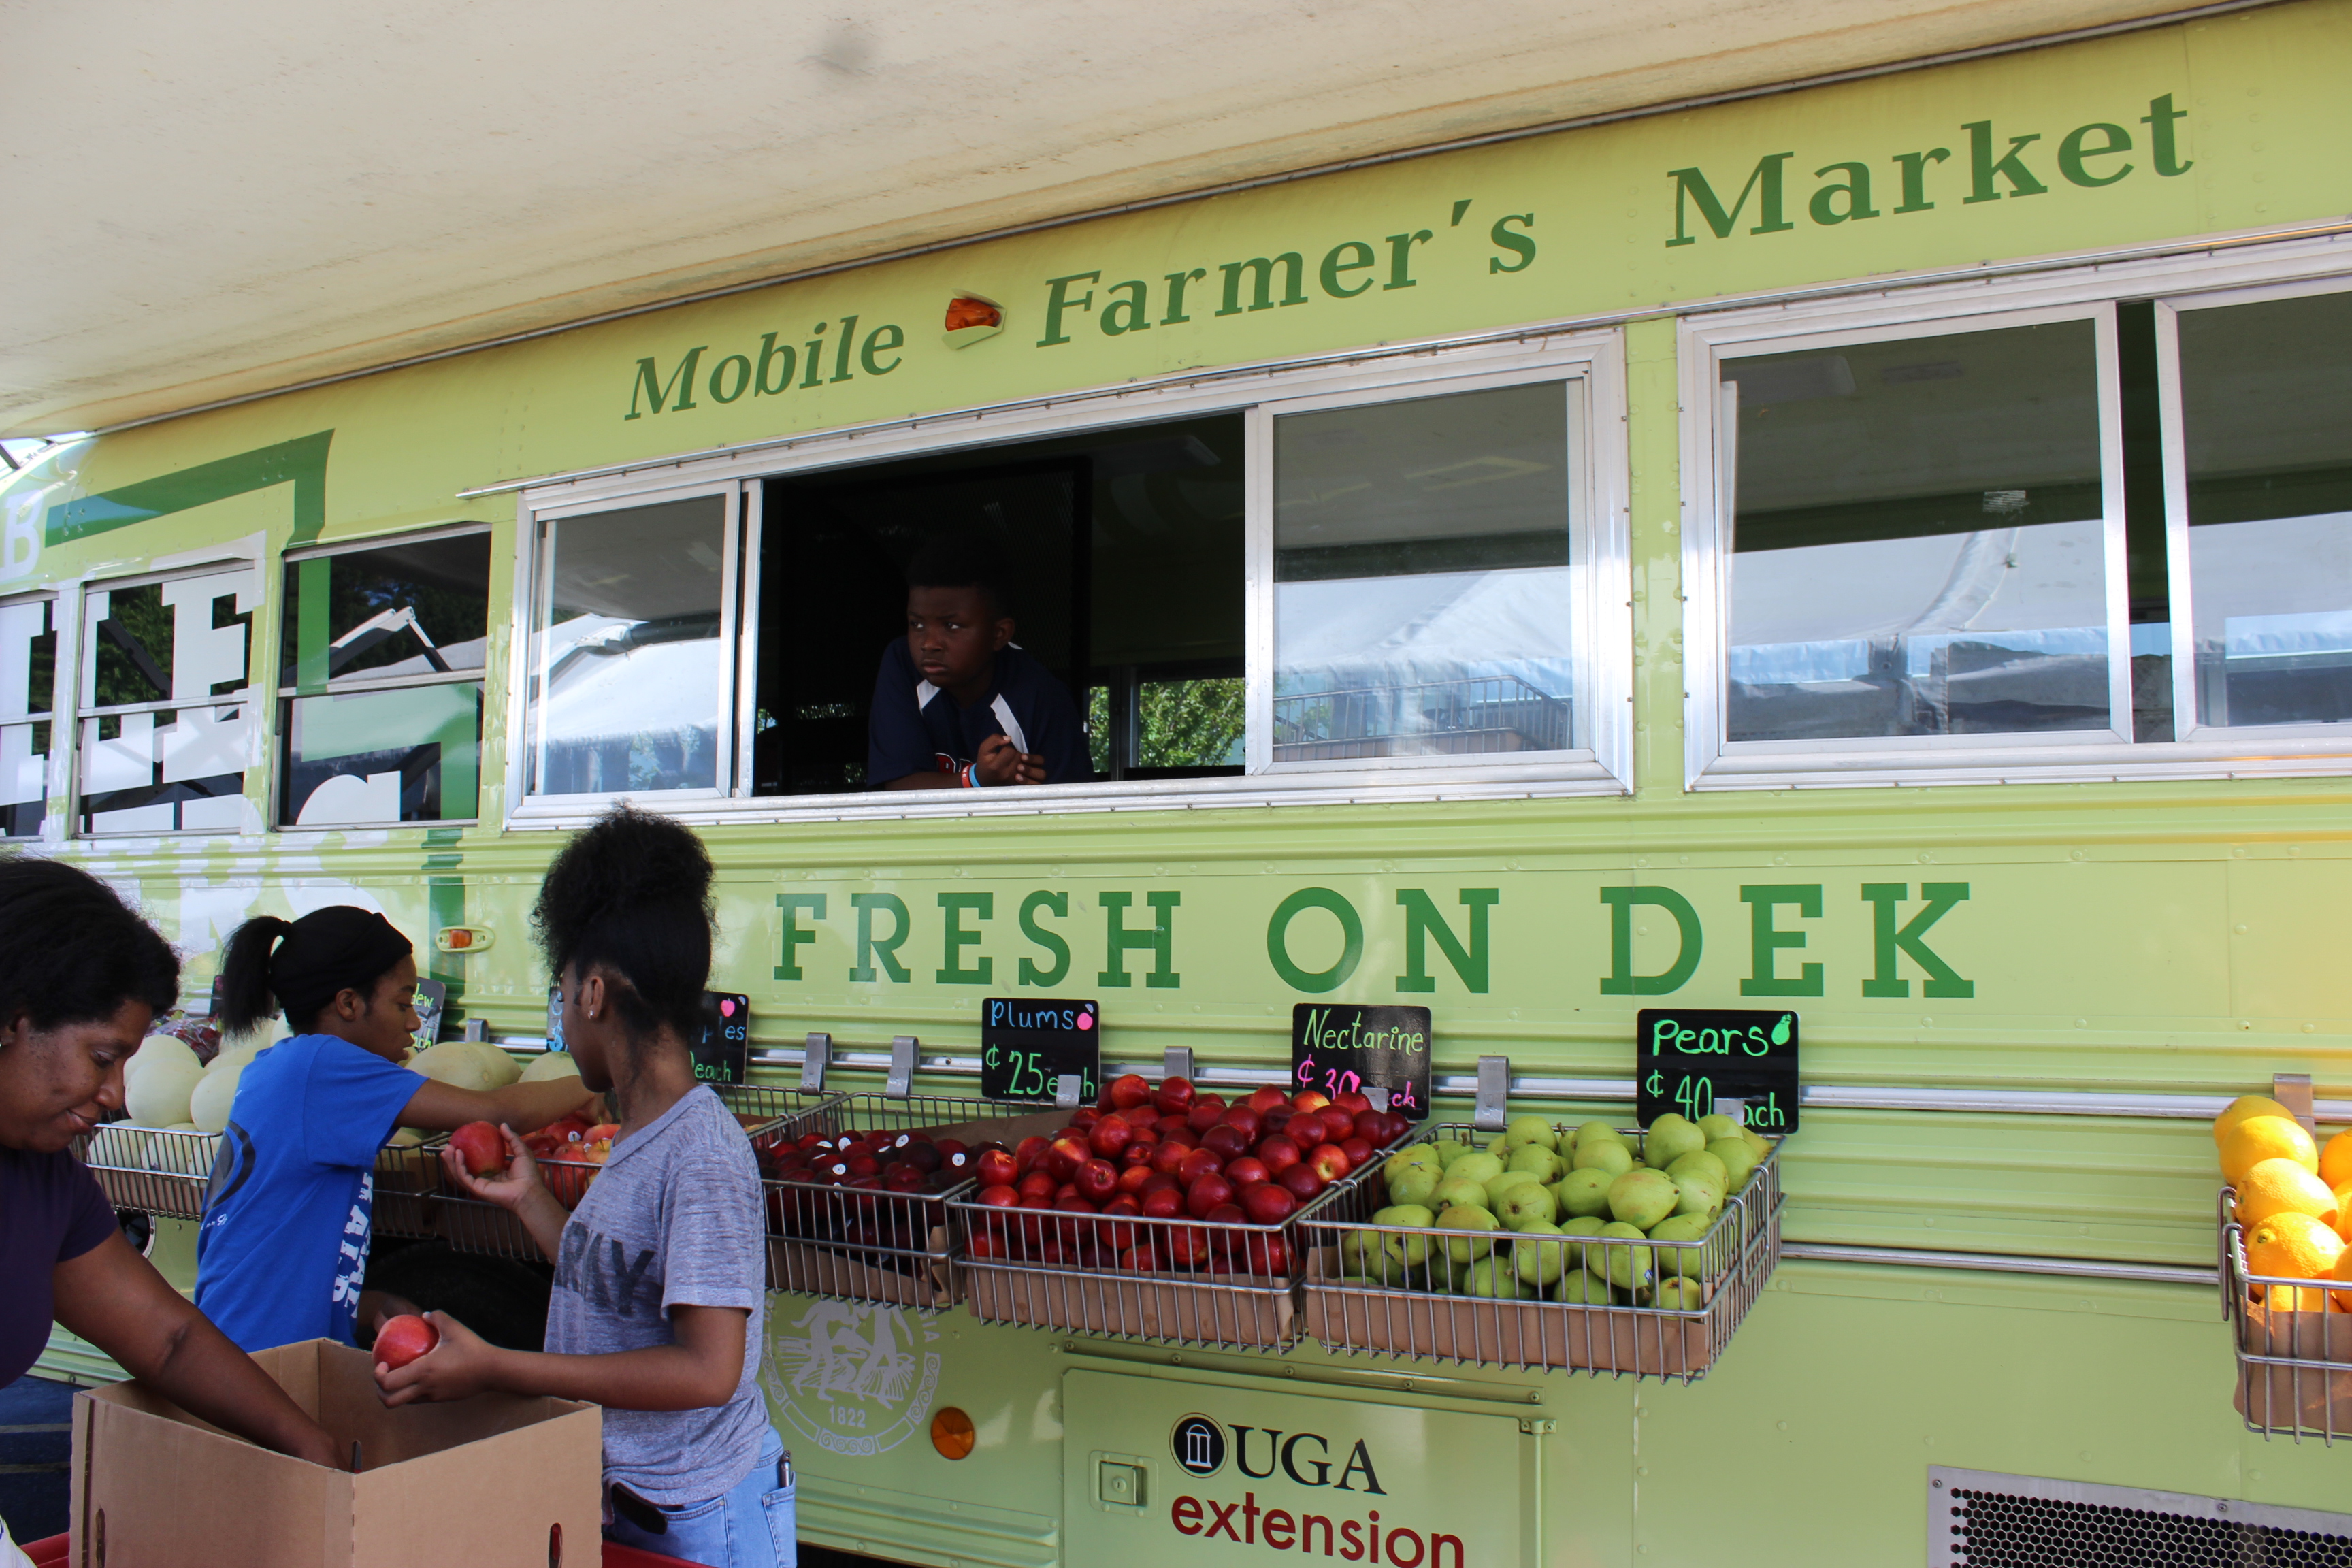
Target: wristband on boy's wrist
x=972 y=776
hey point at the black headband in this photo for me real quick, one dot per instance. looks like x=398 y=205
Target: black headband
x=330 y=951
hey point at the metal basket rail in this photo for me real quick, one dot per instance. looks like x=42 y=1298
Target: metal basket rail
x=2295 y=1355
x=162 y=1172
x=1404 y=1301
x=1043 y=1269
x=860 y=1245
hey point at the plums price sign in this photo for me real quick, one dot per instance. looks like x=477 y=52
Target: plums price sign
x=724 y=1051
x=1687 y=1059
x=1027 y=1044
x=1336 y=1049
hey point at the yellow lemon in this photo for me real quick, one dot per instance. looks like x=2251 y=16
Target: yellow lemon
x=2263 y=1138
x=2293 y=1246
x=2282 y=1187
x=2243 y=1108
x=2335 y=1161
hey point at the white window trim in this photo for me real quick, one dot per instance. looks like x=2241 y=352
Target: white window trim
x=57 y=666
x=1872 y=313
x=1596 y=358
x=281 y=734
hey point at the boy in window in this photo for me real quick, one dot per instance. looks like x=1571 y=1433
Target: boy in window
x=957 y=705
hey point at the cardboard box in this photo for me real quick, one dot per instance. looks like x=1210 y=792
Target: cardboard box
x=2314 y=1393
x=498 y=1478
x=1193 y=1309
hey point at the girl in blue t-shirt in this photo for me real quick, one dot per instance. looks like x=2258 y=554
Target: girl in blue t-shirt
x=284 y=1244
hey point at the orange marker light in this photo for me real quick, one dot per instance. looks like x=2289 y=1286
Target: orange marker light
x=951 y=1433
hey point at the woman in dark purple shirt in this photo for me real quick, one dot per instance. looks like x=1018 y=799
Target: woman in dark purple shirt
x=81 y=979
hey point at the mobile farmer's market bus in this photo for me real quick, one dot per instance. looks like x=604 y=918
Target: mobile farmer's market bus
x=1878 y=555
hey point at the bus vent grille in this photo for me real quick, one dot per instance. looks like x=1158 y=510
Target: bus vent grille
x=1979 y=1519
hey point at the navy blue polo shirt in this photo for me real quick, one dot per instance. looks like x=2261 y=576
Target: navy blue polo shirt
x=916 y=728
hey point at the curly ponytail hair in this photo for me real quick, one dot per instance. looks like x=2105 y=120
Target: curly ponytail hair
x=632 y=892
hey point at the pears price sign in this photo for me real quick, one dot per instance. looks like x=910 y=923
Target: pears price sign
x=1685 y=1059
x=1028 y=1042
x=1342 y=1046
x=723 y=1052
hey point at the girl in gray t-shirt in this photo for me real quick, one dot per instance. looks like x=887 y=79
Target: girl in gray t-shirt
x=656 y=1312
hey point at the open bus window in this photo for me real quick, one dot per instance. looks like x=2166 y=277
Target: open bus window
x=28 y=669
x=381 y=682
x=1917 y=540
x=629 y=656
x=166 y=717
x=2265 y=399
x=1421 y=602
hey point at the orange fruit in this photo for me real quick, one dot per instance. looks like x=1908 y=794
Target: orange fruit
x=2243 y=1108
x=2293 y=1246
x=2335 y=1161
x=2260 y=1138
x=2343 y=1213
x=2282 y=1187
x=2300 y=1298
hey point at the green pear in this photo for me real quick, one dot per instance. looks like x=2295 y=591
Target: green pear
x=1582 y=1193
x=1697 y=1195
x=1668 y=1138
x=1412 y=1155
x=1527 y=1204
x=1354 y=1246
x=1499 y=1146
x=1526 y=1130
x=1464 y=1216
x=1757 y=1142
x=1738 y=1159
x=1539 y=1261
x=1502 y=1183
x=1543 y=1164
x=1405 y=1216
x=1578 y=1286
x=1679 y=1296
x=1478 y=1168
x=1642 y=1198
x=1603 y=1154
x=1406 y=1248
x=1679 y=1227
x=1414 y=1184
x=1719 y=1126
x=1455 y=1190
x=1582 y=1225
x=1595 y=1131
x=1493 y=1277
x=1627 y=1268
x=1698 y=1162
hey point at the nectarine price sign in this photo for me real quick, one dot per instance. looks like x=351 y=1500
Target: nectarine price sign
x=1027 y=1043
x=724 y=1051
x=1684 y=1060
x=1345 y=1046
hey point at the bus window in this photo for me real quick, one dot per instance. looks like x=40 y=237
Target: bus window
x=381 y=682
x=167 y=717
x=629 y=656
x=1421 y=556
x=28 y=667
x=2265 y=406
x=1918 y=542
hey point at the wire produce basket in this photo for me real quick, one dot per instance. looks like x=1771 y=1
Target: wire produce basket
x=860 y=1244
x=1650 y=1308
x=162 y=1172
x=2293 y=1339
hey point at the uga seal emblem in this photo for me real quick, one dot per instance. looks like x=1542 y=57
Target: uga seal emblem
x=1200 y=1445
x=854 y=1377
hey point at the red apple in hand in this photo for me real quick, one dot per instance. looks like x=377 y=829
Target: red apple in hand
x=1128 y=1089
x=1266 y=1203
x=1173 y=1097
x=403 y=1339
x=480 y=1148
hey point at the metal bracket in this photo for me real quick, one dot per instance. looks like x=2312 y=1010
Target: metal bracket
x=902 y=1066
x=1735 y=1109
x=2292 y=1090
x=1177 y=1062
x=816 y=1056
x=477 y=1030
x=1494 y=1090
x=1066 y=1089
x=1377 y=1095
x=1538 y=1425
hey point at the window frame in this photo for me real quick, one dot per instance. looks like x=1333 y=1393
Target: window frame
x=62 y=666
x=1594 y=357
x=1865 y=312
x=282 y=733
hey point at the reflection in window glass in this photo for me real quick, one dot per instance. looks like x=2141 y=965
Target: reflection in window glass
x=1917 y=546
x=1421 y=564
x=168 y=758
x=1174 y=728
x=408 y=755
x=626 y=658
x=28 y=664
x=2266 y=414
x=415 y=609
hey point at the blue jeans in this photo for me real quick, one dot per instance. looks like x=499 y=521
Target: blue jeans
x=750 y=1527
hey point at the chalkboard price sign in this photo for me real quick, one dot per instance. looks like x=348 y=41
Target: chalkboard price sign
x=1028 y=1042
x=1687 y=1059
x=724 y=1051
x=1343 y=1047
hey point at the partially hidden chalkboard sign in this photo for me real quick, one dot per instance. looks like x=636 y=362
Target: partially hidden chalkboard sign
x=1687 y=1059
x=432 y=1000
x=1028 y=1042
x=724 y=1051
x=1342 y=1046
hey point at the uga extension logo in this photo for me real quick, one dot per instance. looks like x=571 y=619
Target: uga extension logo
x=1200 y=1445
